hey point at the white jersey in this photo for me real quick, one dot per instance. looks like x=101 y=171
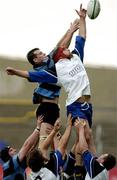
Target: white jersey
x=73 y=77
x=44 y=174
x=101 y=176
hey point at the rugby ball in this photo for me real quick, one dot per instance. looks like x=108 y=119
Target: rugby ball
x=93 y=9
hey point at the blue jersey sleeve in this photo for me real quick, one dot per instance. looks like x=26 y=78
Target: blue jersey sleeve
x=92 y=166
x=79 y=47
x=46 y=90
x=42 y=77
x=69 y=164
x=55 y=162
x=10 y=166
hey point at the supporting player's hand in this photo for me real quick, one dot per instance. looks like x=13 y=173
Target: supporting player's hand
x=39 y=121
x=57 y=125
x=80 y=123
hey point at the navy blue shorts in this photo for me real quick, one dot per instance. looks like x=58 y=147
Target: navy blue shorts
x=81 y=110
x=50 y=111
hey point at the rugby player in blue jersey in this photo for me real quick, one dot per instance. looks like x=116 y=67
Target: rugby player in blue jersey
x=96 y=167
x=15 y=163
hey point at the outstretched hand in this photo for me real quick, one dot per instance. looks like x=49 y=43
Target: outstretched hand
x=74 y=25
x=80 y=124
x=10 y=71
x=82 y=12
x=57 y=125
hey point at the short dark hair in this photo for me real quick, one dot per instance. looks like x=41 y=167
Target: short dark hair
x=19 y=177
x=35 y=160
x=4 y=154
x=109 y=161
x=30 y=56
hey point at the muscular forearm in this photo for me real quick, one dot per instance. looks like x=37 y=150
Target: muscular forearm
x=21 y=73
x=30 y=142
x=91 y=143
x=64 y=140
x=66 y=40
x=82 y=29
x=32 y=139
x=61 y=40
x=48 y=141
x=83 y=146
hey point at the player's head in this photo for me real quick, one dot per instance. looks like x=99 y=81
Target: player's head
x=35 y=160
x=108 y=161
x=36 y=56
x=7 y=153
x=62 y=53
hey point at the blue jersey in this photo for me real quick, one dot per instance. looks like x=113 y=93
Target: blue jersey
x=51 y=170
x=93 y=167
x=49 y=75
x=46 y=90
x=68 y=167
x=79 y=47
x=71 y=170
x=14 y=168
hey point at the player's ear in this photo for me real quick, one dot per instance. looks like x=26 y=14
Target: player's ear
x=35 y=60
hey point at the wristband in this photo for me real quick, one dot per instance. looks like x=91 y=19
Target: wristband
x=38 y=129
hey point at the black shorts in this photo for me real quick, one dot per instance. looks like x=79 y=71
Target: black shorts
x=50 y=111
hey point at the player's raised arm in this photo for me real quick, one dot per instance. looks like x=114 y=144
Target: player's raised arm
x=31 y=142
x=45 y=145
x=33 y=76
x=65 y=138
x=82 y=15
x=66 y=40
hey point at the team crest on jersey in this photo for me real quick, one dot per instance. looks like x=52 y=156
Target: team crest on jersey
x=77 y=69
